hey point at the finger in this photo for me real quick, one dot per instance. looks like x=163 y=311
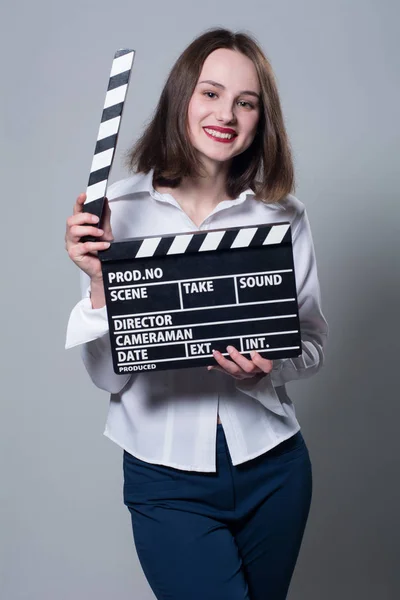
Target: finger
x=78 y=231
x=242 y=374
x=106 y=220
x=82 y=219
x=105 y=215
x=214 y=368
x=247 y=365
x=78 y=206
x=107 y=209
x=262 y=363
x=227 y=365
x=79 y=251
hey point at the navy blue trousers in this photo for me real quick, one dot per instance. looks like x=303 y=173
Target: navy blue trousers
x=230 y=535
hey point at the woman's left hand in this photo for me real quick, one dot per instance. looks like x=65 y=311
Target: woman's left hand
x=240 y=367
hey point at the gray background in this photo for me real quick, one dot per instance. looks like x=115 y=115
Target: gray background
x=65 y=533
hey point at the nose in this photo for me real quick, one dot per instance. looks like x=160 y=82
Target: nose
x=225 y=113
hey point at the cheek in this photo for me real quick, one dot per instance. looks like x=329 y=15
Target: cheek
x=190 y=122
x=192 y=118
x=252 y=126
x=196 y=113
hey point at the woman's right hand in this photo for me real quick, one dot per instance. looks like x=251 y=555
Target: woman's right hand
x=84 y=254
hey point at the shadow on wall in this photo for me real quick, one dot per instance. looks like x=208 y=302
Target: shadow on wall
x=351 y=418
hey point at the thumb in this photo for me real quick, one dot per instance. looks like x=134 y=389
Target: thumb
x=106 y=221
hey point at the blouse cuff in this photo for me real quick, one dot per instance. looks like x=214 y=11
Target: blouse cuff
x=262 y=389
x=86 y=323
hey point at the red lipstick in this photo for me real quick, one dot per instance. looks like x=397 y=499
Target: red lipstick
x=221 y=130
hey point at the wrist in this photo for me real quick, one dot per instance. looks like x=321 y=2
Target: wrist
x=96 y=281
x=97 y=296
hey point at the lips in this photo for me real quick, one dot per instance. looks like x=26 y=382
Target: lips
x=223 y=135
x=221 y=129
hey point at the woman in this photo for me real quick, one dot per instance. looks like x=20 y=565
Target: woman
x=217 y=476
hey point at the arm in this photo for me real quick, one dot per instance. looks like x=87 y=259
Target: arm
x=88 y=327
x=313 y=326
x=88 y=321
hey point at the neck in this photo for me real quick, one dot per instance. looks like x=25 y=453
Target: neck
x=198 y=196
x=205 y=193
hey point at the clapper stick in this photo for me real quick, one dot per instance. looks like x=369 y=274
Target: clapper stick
x=108 y=133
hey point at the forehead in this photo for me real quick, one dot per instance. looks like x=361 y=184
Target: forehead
x=232 y=69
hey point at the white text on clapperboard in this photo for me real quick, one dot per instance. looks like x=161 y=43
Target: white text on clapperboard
x=131 y=331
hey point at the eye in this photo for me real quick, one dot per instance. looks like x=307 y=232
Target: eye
x=248 y=104
x=210 y=94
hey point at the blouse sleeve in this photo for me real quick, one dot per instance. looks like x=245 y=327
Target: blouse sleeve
x=313 y=325
x=88 y=327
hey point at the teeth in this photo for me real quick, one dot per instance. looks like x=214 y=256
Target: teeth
x=218 y=134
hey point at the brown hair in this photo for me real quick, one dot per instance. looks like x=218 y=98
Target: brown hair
x=266 y=166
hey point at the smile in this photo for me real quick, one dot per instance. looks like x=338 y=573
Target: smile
x=218 y=136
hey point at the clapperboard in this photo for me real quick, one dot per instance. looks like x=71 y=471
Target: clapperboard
x=171 y=300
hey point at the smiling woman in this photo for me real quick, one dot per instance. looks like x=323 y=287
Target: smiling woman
x=217 y=476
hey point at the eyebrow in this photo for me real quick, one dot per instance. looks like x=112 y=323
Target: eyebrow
x=219 y=85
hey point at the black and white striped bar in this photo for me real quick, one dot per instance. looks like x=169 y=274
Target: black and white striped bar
x=108 y=131
x=172 y=299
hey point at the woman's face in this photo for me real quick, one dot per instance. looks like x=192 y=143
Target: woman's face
x=225 y=107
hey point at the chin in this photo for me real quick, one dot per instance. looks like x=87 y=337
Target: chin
x=220 y=156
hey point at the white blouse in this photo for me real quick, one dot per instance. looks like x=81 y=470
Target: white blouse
x=170 y=417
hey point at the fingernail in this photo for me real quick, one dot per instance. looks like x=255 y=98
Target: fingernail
x=107 y=244
x=230 y=348
x=253 y=353
x=95 y=219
